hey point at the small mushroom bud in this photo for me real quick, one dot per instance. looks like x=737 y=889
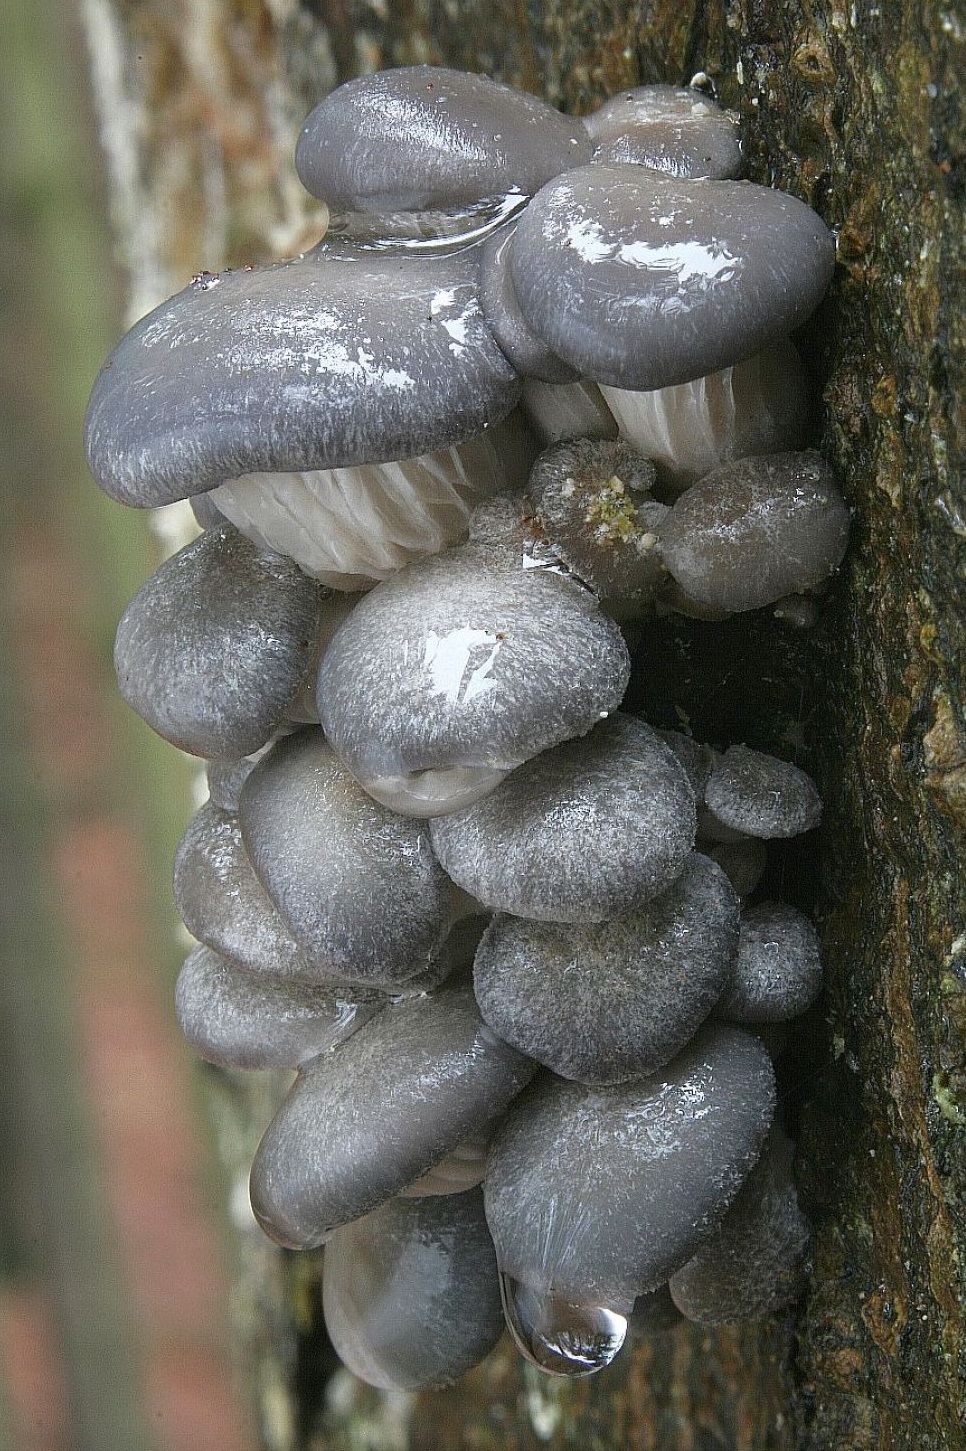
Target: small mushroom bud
x=592 y=501
x=411 y=1292
x=756 y=530
x=760 y=406
x=579 y=833
x=459 y=669
x=240 y=1019
x=671 y=129
x=594 y=1196
x=777 y=972
x=665 y=280
x=611 y=1002
x=222 y=903
x=753 y=1263
x=419 y=137
x=212 y=650
x=761 y=795
x=357 y=885
x=421 y=1078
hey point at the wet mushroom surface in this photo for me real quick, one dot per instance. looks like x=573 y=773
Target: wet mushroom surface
x=504 y=932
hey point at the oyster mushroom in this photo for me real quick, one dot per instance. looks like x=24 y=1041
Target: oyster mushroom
x=460 y=668
x=754 y=531
x=754 y=794
x=318 y=363
x=613 y=1001
x=754 y=1261
x=777 y=972
x=676 y=130
x=240 y=1019
x=579 y=833
x=595 y=1196
x=426 y=137
x=360 y=1124
x=411 y=1292
x=357 y=886
x=664 y=280
x=212 y=650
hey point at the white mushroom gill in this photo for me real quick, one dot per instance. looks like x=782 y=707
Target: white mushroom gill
x=350 y=527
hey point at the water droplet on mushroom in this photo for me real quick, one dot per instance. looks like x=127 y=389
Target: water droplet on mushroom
x=557 y=1336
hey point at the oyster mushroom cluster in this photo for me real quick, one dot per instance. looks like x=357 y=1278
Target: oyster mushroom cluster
x=533 y=386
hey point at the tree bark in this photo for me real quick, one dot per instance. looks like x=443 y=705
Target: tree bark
x=860 y=110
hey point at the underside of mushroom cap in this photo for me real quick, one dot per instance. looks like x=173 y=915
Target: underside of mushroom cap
x=311 y=364
x=643 y=282
x=421 y=137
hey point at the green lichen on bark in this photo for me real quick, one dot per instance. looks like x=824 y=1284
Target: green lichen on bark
x=859 y=109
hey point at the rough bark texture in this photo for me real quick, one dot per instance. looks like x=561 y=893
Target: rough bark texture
x=860 y=110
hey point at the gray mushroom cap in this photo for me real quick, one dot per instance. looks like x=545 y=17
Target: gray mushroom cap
x=212 y=650
x=777 y=972
x=592 y=500
x=421 y=137
x=360 y=1124
x=612 y=1002
x=760 y=795
x=753 y=531
x=357 y=885
x=528 y=354
x=643 y=282
x=317 y=363
x=461 y=661
x=411 y=1293
x=597 y=1195
x=579 y=833
x=676 y=130
x=240 y=1019
x=222 y=903
x=753 y=1263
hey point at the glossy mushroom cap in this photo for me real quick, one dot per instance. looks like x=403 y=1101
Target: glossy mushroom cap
x=213 y=648
x=317 y=363
x=411 y=1292
x=579 y=833
x=421 y=137
x=759 y=795
x=222 y=903
x=529 y=355
x=753 y=1263
x=362 y=1123
x=671 y=129
x=460 y=668
x=756 y=530
x=595 y=1196
x=611 y=1002
x=762 y=405
x=240 y=1019
x=358 y=886
x=591 y=499
x=665 y=280
x=777 y=972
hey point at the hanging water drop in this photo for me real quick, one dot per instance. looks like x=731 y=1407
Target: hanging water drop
x=558 y=1336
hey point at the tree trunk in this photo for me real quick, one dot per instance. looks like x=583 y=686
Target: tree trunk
x=859 y=110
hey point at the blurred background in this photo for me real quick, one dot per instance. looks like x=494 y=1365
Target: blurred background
x=113 y=1272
